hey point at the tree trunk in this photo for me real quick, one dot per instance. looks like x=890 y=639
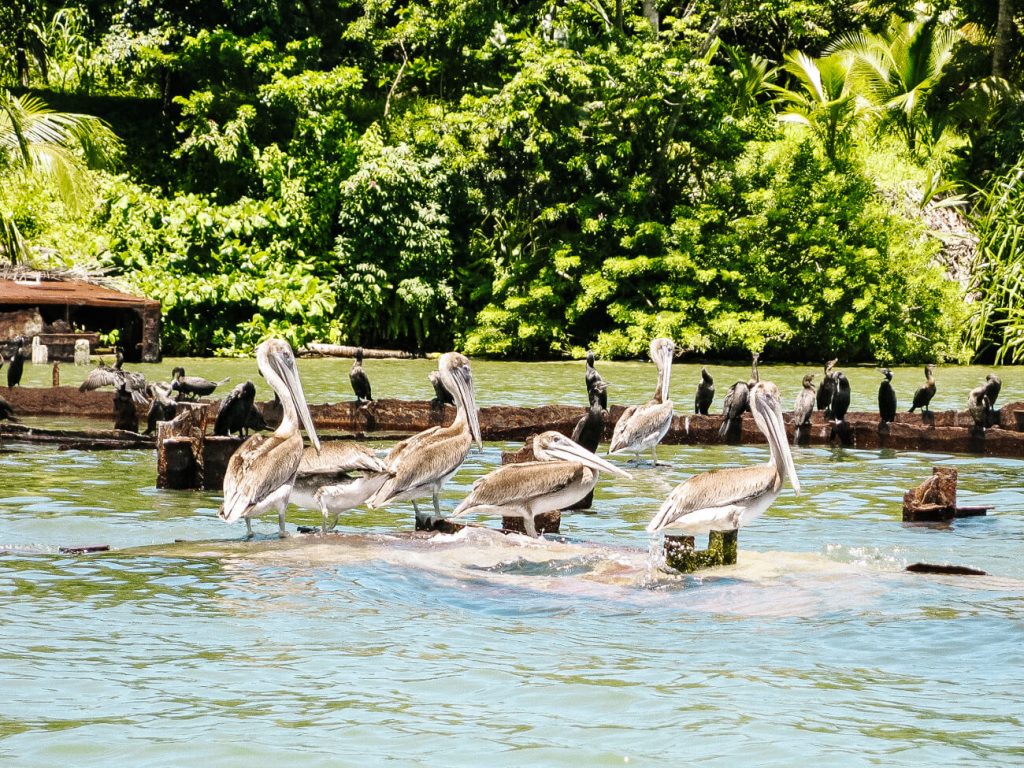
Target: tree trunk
x=1004 y=39
x=651 y=13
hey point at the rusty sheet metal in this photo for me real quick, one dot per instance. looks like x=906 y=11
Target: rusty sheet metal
x=67 y=292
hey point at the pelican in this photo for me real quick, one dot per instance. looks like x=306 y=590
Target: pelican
x=563 y=474
x=886 y=398
x=359 y=380
x=342 y=475
x=236 y=410
x=105 y=376
x=827 y=385
x=804 y=405
x=727 y=499
x=643 y=426
x=193 y=386
x=16 y=365
x=926 y=391
x=705 y=393
x=420 y=465
x=261 y=472
x=594 y=380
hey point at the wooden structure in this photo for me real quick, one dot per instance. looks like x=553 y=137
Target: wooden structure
x=75 y=303
x=680 y=552
x=934 y=500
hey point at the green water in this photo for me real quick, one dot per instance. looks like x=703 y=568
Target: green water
x=184 y=644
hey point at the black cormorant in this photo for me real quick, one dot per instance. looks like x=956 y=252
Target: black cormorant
x=594 y=380
x=828 y=384
x=980 y=407
x=360 y=381
x=16 y=365
x=886 y=398
x=442 y=396
x=235 y=410
x=992 y=387
x=925 y=393
x=705 y=393
x=193 y=386
x=840 y=397
x=804 y=405
x=734 y=405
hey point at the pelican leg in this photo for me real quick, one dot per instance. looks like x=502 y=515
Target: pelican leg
x=531 y=529
x=282 y=531
x=248 y=528
x=437 y=504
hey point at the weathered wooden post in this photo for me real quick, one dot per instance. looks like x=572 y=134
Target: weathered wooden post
x=681 y=554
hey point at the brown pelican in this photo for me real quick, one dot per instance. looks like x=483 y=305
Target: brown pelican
x=886 y=398
x=261 y=472
x=16 y=365
x=804 y=405
x=342 y=475
x=420 y=465
x=442 y=396
x=106 y=376
x=643 y=426
x=359 y=380
x=980 y=407
x=193 y=386
x=705 y=393
x=992 y=387
x=594 y=380
x=563 y=474
x=727 y=499
x=162 y=407
x=824 y=397
x=236 y=410
x=926 y=392
x=840 y=404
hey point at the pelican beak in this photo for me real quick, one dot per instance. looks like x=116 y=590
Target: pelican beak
x=463 y=378
x=666 y=370
x=770 y=411
x=283 y=364
x=567 y=450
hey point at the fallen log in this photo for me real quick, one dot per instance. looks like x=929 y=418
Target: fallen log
x=316 y=349
x=88 y=439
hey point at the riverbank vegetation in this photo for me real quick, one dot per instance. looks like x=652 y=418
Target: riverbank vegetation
x=532 y=179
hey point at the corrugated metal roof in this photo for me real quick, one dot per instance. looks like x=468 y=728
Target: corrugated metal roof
x=71 y=292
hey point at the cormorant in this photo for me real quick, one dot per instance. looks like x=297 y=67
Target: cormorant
x=16 y=365
x=705 y=393
x=980 y=407
x=442 y=396
x=926 y=392
x=590 y=428
x=106 y=376
x=161 y=408
x=593 y=379
x=235 y=410
x=360 y=381
x=992 y=387
x=193 y=386
x=827 y=386
x=840 y=397
x=804 y=405
x=734 y=406
x=886 y=398
x=125 y=416
x=6 y=411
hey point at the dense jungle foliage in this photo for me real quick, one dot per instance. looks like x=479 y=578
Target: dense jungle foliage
x=528 y=179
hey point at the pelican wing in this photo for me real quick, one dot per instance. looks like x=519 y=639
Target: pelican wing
x=640 y=424
x=258 y=468
x=421 y=460
x=339 y=456
x=720 y=488
x=517 y=485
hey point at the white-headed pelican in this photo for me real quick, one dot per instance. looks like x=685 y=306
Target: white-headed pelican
x=643 y=426
x=261 y=472
x=420 y=465
x=563 y=474
x=727 y=499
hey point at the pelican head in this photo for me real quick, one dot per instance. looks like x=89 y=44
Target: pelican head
x=764 y=405
x=276 y=362
x=457 y=377
x=554 y=446
x=662 y=352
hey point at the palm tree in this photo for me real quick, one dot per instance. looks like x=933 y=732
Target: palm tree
x=822 y=99
x=898 y=69
x=58 y=147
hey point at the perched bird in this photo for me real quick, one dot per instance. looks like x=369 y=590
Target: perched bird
x=733 y=406
x=886 y=398
x=754 y=375
x=992 y=387
x=643 y=426
x=803 y=407
x=359 y=380
x=727 y=499
x=341 y=476
x=161 y=407
x=926 y=392
x=103 y=375
x=827 y=385
x=125 y=416
x=236 y=410
x=840 y=397
x=260 y=474
x=594 y=381
x=705 y=393
x=422 y=464
x=980 y=407
x=442 y=396
x=589 y=429
x=563 y=474
x=16 y=365
x=193 y=386
x=6 y=411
